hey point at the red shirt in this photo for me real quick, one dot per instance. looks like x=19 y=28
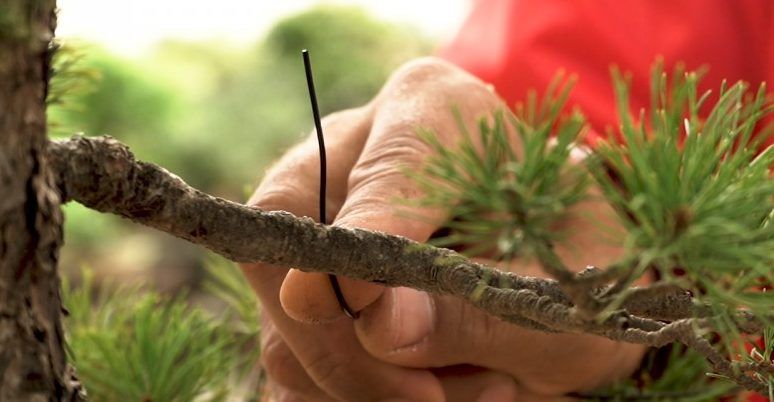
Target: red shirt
x=518 y=45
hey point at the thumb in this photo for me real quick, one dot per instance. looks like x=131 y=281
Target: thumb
x=392 y=331
x=376 y=201
x=459 y=333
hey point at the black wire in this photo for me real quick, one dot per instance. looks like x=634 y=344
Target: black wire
x=323 y=176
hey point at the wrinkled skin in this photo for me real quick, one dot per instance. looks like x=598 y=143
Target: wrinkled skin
x=408 y=345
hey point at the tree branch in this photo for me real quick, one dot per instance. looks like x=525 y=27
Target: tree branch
x=101 y=173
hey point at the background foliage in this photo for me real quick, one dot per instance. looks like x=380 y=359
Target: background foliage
x=133 y=344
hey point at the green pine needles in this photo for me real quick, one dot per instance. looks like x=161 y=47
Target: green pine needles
x=128 y=344
x=689 y=179
x=502 y=202
x=696 y=194
x=682 y=378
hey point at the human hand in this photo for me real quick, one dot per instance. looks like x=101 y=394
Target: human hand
x=407 y=345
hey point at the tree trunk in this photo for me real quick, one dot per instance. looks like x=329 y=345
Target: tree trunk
x=33 y=365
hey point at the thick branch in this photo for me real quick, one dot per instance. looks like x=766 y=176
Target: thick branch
x=102 y=174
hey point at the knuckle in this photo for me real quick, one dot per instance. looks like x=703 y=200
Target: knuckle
x=362 y=210
x=288 y=397
x=445 y=80
x=423 y=68
x=346 y=116
x=389 y=162
x=480 y=329
x=276 y=198
x=490 y=330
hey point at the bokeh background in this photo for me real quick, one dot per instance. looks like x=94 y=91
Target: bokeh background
x=214 y=91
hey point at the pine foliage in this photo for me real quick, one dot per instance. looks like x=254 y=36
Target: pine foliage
x=688 y=178
x=502 y=200
x=695 y=193
x=131 y=344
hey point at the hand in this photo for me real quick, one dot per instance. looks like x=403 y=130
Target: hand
x=408 y=345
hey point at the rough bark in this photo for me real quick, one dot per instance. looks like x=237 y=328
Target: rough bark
x=32 y=359
x=101 y=173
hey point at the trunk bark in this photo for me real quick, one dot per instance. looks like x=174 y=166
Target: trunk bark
x=33 y=364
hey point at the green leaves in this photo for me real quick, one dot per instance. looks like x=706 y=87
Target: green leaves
x=694 y=190
x=696 y=194
x=691 y=185
x=131 y=345
x=507 y=197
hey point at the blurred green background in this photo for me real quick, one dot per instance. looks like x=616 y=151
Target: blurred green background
x=215 y=114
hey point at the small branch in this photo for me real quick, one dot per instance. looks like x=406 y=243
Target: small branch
x=759 y=367
x=101 y=173
x=723 y=366
x=582 y=297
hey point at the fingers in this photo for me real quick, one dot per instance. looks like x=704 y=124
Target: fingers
x=420 y=95
x=402 y=326
x=286 y=379
x=542 y=363
x=390 y=329
x=292 y=184
x=329 y=355
x=545 y=364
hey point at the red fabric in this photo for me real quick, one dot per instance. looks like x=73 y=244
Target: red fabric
x=757 y=398
x=518 y=45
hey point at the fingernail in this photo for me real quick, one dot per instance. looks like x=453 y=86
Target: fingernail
x=414 y=316
x=502 y=391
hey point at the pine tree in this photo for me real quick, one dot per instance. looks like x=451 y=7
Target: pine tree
x=694 y=192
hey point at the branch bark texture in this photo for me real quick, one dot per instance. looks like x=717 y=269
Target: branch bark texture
x=101 y=173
